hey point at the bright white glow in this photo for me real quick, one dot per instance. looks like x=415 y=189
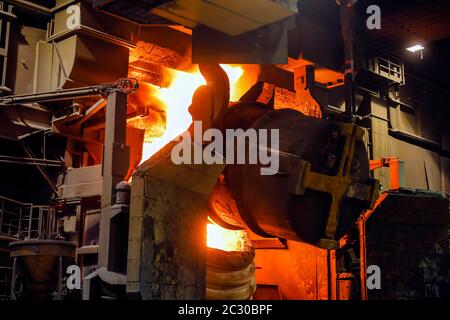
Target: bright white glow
x=415 y=48
x=224 y=239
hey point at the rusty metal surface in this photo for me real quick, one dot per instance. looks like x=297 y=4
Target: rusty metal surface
x=224 y=211
x=171 y=258
x=40 y=257
x=324 y=208
x=407 y=237
x=346 y=286
x=42 y=247
x=301 y=272
x=167 y=242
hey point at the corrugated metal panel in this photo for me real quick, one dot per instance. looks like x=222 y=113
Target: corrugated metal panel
x=432 y=170
x=445 y=175
x=405 y=121
x=423 y=169
x=380 y=146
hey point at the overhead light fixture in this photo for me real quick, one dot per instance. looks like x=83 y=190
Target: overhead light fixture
x=415 y=48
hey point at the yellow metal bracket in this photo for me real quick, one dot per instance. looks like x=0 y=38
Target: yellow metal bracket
x=337 y=186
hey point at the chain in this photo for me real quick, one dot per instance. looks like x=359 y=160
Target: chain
x=126 y=85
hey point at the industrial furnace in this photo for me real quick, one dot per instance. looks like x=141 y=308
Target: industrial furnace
x=223 y=150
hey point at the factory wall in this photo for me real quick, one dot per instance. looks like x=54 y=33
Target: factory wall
x=426 y=162
x=22 y=56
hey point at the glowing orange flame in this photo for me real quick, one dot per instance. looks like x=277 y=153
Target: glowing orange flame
x=224 y=239
x=234 y=73
x=177 y=98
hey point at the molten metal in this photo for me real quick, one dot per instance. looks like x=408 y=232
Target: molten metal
x=176 y=99
x=224 y=239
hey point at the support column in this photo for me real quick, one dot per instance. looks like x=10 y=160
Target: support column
x=13 y=280
x=116 y=160
x=60 y=278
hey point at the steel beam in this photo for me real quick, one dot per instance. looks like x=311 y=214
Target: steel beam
x=39 y=166
x=92 y=111
x=116 y=160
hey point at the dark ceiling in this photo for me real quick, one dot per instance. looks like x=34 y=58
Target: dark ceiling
x=408 y=22
x=403 y=23
x=138 y=11
x=46 y=3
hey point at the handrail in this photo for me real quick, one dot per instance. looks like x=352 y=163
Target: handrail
x=15 y=201
x=31 y=221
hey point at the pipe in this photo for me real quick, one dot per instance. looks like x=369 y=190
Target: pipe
x=417 y=140
x=95 y=33
x=126 y=85
x=31 y=6
x=23 y=204
x=347 y=12
x=66 y=94
x=361 y=223
x=31 y=159
x=30 y=163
